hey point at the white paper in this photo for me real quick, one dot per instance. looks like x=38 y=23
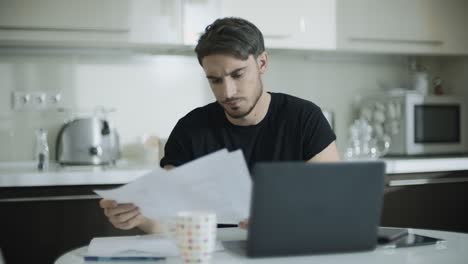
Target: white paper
x=148 y=245
x=136 y=246
x=218 y=182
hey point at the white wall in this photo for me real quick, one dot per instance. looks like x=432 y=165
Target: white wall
x=455 y=72
x=151 y=92
x=455 y=75
x=336 y=81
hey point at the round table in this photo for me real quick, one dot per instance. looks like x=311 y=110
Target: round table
x=453 y=250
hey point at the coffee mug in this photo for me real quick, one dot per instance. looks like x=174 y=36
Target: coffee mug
x=195 y=234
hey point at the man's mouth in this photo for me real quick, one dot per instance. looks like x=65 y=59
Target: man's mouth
x=232 y=102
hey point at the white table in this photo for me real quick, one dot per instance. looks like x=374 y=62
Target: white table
x=453 y=250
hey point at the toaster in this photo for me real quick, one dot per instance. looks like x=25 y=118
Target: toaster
x=87 y=141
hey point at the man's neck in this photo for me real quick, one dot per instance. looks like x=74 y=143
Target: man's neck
x=256 y=115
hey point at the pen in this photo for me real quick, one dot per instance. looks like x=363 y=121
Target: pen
x=227 y=225
x=123 y=258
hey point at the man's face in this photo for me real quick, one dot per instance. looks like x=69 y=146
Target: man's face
x=235 y=83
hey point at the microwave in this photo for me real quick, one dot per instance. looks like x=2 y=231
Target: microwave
x=419 y=124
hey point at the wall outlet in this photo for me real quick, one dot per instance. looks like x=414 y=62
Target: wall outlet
x=35 y=100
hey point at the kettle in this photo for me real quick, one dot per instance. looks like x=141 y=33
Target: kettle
x=87 y=141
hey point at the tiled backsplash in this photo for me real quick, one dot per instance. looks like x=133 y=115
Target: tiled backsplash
x=151 y=92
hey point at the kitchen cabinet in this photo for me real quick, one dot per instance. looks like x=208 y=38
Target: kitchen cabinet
x=295 y=24
x=38 y=224
x=401 y=26
x=404 y=27
x=89 y=22
x=193 y=23
x=437 y=202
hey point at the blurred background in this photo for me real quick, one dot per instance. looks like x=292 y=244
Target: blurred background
x=127 y=69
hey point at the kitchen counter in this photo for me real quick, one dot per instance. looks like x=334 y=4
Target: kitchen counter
x=23 y=174
x=403 y=165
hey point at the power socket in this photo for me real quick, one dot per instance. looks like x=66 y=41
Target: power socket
x=36 y=100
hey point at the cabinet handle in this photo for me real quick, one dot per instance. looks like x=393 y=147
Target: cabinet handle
x=50 y=198
x=426 y=181
x=398 y=41
x=277 y=36
x=102 y=30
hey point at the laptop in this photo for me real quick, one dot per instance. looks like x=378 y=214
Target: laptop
x=309 y=208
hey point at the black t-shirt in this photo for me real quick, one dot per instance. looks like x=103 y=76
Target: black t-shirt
x=293 y=129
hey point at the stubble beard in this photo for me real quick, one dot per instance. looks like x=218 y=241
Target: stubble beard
x=246 y=113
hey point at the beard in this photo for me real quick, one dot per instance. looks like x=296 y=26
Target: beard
x=239 y=115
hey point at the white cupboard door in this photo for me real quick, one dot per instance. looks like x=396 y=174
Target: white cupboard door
x=155 y=22
x=294 y=24
x=197 y=14
x=452 y=17
x=90 y=22
x=389 y=26
x=61 y=15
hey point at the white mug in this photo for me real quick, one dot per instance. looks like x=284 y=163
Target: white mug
x=196 y=235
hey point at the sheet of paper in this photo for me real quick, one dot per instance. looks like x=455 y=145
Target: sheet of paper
x=135 y=246
x=148 y=245
x=218 y=182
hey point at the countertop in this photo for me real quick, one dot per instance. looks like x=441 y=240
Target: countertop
x=400 y=165
x=24 y=174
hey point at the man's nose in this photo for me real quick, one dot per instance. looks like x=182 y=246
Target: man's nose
x=229 y=89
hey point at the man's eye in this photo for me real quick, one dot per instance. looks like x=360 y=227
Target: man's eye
x=236 y=76
x=215 y=81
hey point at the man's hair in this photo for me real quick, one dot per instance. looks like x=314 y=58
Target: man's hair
x=230 y=36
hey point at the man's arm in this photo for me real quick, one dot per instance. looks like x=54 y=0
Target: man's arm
x=330 y=153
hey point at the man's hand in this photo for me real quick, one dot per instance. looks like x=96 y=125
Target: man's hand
x=127 y=216
x=244 y=224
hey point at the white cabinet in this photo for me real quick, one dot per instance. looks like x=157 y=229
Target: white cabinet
x=84 y=15
x=402 y=26
x=90 y=22
x=197 y=14
x=296 y=24
x=453 y=18
x=379 y=26
x=155 y=22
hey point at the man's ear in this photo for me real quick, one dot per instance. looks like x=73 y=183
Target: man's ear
x=262 y=62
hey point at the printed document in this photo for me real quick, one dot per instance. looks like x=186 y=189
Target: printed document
x=219 y=182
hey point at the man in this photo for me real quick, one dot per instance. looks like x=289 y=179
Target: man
x=266 y=126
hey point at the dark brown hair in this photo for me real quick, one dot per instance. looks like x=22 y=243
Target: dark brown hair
x=232 y=36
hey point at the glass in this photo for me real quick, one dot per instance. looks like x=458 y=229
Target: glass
x=41 y=154
x=363 y=145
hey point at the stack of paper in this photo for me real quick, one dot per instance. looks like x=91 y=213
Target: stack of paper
x=128 y=247
x=219 y=182
x=150 y=247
